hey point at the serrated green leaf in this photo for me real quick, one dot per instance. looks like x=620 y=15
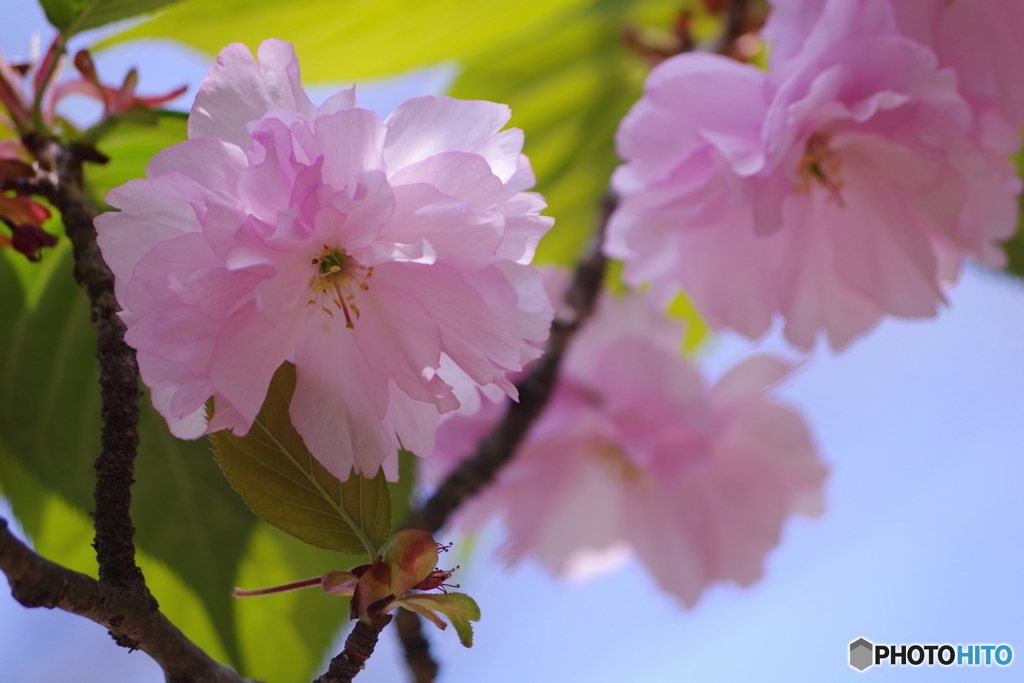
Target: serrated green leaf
x=458 y=607
x=185 y=514
x=355 y=39
x=74 y=16
x=286 y=486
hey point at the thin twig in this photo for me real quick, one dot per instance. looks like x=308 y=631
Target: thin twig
x=358 y=648
x=131 y=618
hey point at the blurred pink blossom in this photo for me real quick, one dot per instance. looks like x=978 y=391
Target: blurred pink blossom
x=364 y=251
x=979 y=39
x=847 y=183
x=636 y=452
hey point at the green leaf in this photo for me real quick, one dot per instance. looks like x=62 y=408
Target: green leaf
x=185 y=514
x=569 y=84
x=355 y=39
x=63 y=533
x=130 y=145
x=284 y=636
x=1015 y=246
x=403 y=490
x=285 y=485
x=74 y=16
x=458 y=607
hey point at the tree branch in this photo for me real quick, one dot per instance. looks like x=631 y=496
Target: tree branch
x=358 y=647
x=120 y=599
x=61 y=182
x=479 y=470
x=417 y=648
x=131 y=616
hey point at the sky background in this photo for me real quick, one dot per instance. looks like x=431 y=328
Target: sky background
x=919 y=422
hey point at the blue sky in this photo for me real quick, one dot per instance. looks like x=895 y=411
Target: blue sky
x=919 y=422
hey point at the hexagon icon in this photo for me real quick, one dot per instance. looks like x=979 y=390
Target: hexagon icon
x=861 y=654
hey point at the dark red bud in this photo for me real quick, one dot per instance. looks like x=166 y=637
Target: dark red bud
x=29 y=239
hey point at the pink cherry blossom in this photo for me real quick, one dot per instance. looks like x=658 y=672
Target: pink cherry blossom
x=364 y=251
x=635 y=451
x=979 y=39
x=847 y=183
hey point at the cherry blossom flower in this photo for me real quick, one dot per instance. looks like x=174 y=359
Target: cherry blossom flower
x=364 y=251
x=636 y=452
x=847 y=183
x=979 y=39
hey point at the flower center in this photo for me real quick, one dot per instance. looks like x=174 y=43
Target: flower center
x=612 y=457
x=337 y=277
x=822 y=166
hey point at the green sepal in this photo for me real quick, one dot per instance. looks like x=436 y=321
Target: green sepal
x=458 y=607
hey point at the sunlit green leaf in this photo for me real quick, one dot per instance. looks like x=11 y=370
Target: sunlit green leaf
x=458 y=607
x=130 y=145
x=284 y=636
x=285 y=485
x=185 y=513
x=355 y=39
x=569 y=84
x=74 y=16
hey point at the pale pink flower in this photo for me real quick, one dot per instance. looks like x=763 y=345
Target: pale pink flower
x=847 y=183
x=364 y=251
x=636 y=452
x=979 y=39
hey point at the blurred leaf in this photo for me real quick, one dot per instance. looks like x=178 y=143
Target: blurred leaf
x=130 y=145
x=187 y=516
x=354 y=39
x=285 y=636
x=403 y=490
x=74 y=16
x=1015 y=246
x=63 y=533
x=569 y=84
x=285 y=485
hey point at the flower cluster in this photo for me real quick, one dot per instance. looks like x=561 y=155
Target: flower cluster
x=636 y=452
x=365 y=251
x=847 y=182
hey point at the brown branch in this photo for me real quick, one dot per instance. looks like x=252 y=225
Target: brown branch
x=477 y=471
x=61 y=182
x=417 y=648
x=131 y=616
x=735 y=25
x=358 y=648
x=120 y=599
